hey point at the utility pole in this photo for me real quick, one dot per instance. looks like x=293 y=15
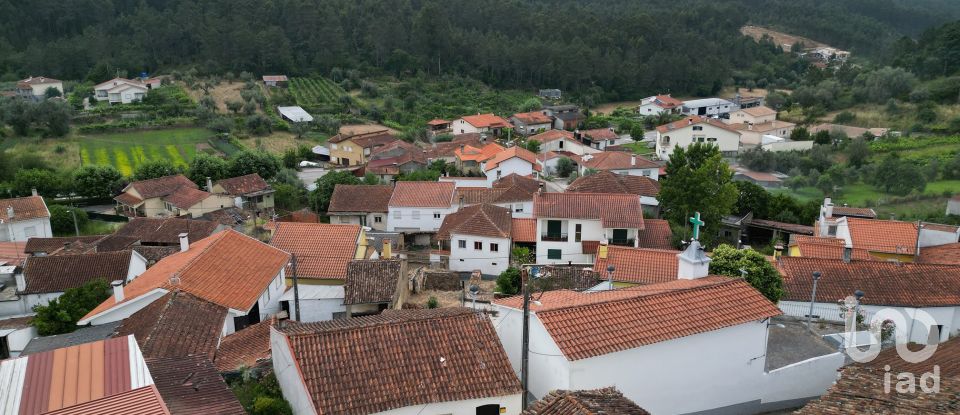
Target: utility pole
x=524 y=357
x=76 y=228
x=296 y=287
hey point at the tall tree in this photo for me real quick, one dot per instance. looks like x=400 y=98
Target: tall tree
x=760 y=273
x=698 y=180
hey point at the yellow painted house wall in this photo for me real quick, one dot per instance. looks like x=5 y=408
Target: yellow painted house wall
x=349 y=150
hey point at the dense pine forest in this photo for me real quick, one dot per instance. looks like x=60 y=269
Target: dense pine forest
x=614 y=48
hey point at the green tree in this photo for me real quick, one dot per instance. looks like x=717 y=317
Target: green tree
x=61 y=314
x=47 y=183
x=154 y=169
x=822 y=137
x=761 y=274
x=320 y=197
x=698 y=180
x=52 y=92
x=897 y=176
x=251 y=161
x=96 y=181
x=61 y=219
x=565 y=167
x=800 y=134
x=532 y=145
x=752 y=198
x=205 y=165
x=531 y=104
x=858 y=151
x=55 y=117
x=421 y=175
x=508 y=282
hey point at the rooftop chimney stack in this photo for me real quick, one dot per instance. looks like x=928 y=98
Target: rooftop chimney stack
x=209 y=185
x=847 y=254
x=828 y=207
x=9 y=212
x=461 y=201
x=387 y=249
x=33 y=191
x=117 y=290
x=633 y=159
x=184 y=242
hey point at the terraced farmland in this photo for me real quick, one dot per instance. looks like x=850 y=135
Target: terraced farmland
x=126 y=151
x=315 y=93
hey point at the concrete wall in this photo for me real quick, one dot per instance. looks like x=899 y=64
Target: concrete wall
x=354 y=219
x=460 y=126
x=469 y=259
x=571 y=145
x=509 y=404
x=793 y=384
x=19 y=339
x=318 y=310
x=288 y=376
x=20 y=231
x=459 y=182
x=728 y=141
x=949 y=317
x=210 y=204
x=514 y=165
x=953 y=207
x=929 y=237
x=269 y=300
x=549 y=369
x=788 y=146
x=426 y=222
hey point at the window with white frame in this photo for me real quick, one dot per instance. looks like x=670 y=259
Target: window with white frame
x=494 y=247
x=462 y=244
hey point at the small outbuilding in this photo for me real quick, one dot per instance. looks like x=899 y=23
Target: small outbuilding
x=295 y=114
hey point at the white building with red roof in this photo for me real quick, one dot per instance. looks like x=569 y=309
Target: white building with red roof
x=561 y=141
x=419 y=207
x=571 y=226
x=697 y=129
x=514 y=160
x=481 y=123
x=532 y=122
x=22 y=218
x=120 y=91
x=36 y=87
x=659 y=104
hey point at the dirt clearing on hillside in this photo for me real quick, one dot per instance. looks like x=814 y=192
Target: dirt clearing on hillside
x=785 y=40
x=223 y=92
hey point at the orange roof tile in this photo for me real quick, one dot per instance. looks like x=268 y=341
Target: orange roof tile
x=24 y=208
x=481 y=220
x=471 y=153
x=941 y=254
x=322 y=250
x=760 y=111
x=186 y=197
x=487 y=121
x=609 y=182
x=600 y=134
x=585 y=325
x=585 y=402
x=524 y=230
x=866 y=213
x=227 y=268
x=656 y=234
x=533 y=117
x=639 y=265
x=437 y=121
x=246 y=348
x=613 y=210
x=422 y=194
x=140 y=401
x=667 y=101
x=888 y=236
x=512 y=152
x=696 y=119
x=161 y=186
x=242 y=185
x=552 y=135
x=616 y=160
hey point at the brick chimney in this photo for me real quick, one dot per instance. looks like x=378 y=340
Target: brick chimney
x=184 y=242
x=117 y=290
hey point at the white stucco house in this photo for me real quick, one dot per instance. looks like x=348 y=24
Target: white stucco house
x=619 y=162
x=15 y=334
x=533 y=122
x=481 y=123
x=23 y=218
x=571 y=226
x=696 y=129
x=120 y=91
x=659 y=104
x=207 y=269
x=35 y=87
x=512 y=192
x=465 y=377
x=360 y=205
x=419 y=207
x=561 y=141
x=514 y=160
x=478 y=238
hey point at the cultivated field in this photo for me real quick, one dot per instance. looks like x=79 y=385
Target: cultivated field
x=126 y=151
x=315 y=93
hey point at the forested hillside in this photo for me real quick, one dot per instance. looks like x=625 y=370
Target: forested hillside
x=614 y=48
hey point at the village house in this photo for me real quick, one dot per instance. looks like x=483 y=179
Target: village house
x=120 y=91
x=176 y=325
x=418 y=208
x=355 y=149
x=533 y=122
x=757 y=122
x=477 y=238
x=550 y=93
x=759 y=178
x=514 y=160
x=598 y=138
x=204 y=393
x=393 y=159
x=104 y=377
x=469 y=371
x=605 y=181
x=619 y=162
x=228 y=268
x=561 y=141
x=682 y=335
x=469 y=159
x=901 y=287
x=275 y=81
x=322 y=252
x=169 y=196
x=481 y=123
x=437 y=126
x=550 y=162
x=15 y=335
x=22 y=218
x=35 y=87
x=708 y=107
x=362 y=205
x=697 y=129
x=45 y=278
x=246 y=349
x=600 y=401
x=827 y=222
x=249 y=192
x=659 y=104
x=637 y=266
x=371 y=285
x=571 y=226
x=565 y=117
x=513 y=192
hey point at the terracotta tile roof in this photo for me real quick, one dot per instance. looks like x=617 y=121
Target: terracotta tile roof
x=585 y=325
x=274 y=78
x=128 y=199
x=445 y=345
x=533 y=117
x=884 y=283
x=616 y=160
x=12 y=253
x=513 y=180
x=192 y=385
x=371 y=281
x=161 y=186
x=696 y=119
x=37 y=80
x=227 y=268
x=523 y=230
x=613 y=210
x=471 y=153
x=242 y=185
x=763 y=127
x=825 y=247
x=585 y=402
x=947 y=357
x=866 y=213
x=449 y=148
x=322 y=250
x=480 y=220
x=940 y=227
x=509 y=189
x=656 y=234
x=599 y=134
x=140 y=401
x=783 y=226
x=249 y=347
x=366 y=140
x=185 y=197
x=639 y=265
x=512 y=152
x=552 y=135
x=52 y=274
x=942 y=254
x=360 y=198
x=760 y=111
x=157 y=231
x=50 y=245
x=863 y=390
x=63 y=378
x=609 y=182
x=883 y=235
x=24 y=208
x=487 y=121
x=422 y=194
x=437 y=121
x=176 y=325
x=15 y=323
x=758 y=176
x=667 y=101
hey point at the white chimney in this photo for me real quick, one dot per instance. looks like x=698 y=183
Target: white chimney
x=209 y=185
x=117 y=290
x=693 y=262
x=184 y=242
x=9 y=212
x=33 y=191
x=633 y=159
x=828 y=207
x=21 y=282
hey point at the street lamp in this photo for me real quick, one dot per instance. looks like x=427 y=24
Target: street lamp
x=610 y=269
x=76 y=228
x=813 y=298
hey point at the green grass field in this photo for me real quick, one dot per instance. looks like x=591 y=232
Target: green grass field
x=126 y=151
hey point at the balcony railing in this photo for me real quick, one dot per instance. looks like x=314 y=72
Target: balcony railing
x=554 y=237
x=621 y=242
